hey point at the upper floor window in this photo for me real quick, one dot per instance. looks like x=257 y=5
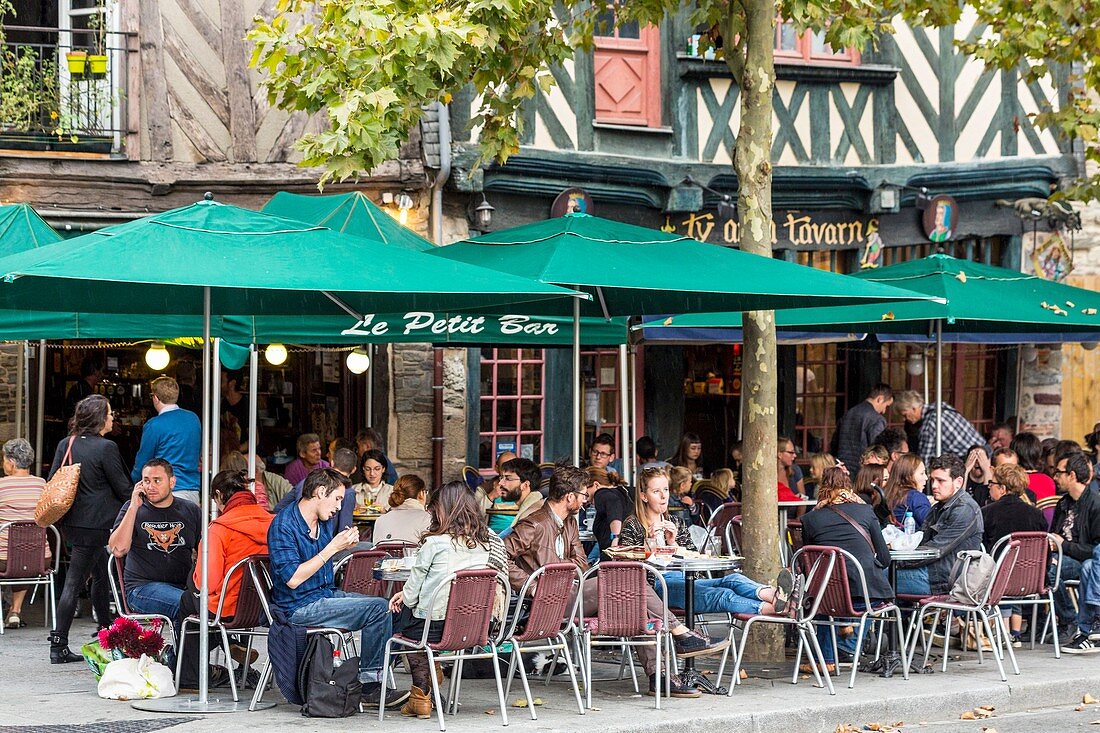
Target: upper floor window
x=627 y=62
x=808 y=47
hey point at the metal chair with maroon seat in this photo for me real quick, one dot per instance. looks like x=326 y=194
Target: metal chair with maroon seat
x=465 y=628
x=1028 y=584
x=549 y=624
x=116 y=572
x=818 y=574
x=27 y=564
x=358 y=573
x=250 y=619
x=836 y=601
x=985 y=608
x=622 y=618
x=262 y=583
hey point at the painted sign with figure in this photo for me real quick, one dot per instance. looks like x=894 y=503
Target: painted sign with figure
x=940 y=218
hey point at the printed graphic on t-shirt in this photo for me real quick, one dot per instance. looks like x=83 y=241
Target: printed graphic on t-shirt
x=1067 y=526
x=164 y=536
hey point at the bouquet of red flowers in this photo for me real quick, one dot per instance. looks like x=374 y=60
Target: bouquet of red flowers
x=127 y=638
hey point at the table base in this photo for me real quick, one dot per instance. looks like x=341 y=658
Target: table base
x=890 y=663
x=694 y=679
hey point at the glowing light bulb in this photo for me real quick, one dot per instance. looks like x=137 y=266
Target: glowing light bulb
x=275 y=354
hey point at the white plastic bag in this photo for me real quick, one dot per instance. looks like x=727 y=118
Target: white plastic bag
x=135 y=679
x=898 y=540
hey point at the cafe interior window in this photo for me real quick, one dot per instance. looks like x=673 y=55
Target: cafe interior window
x=512 y=403
x=600 y=372
x=821 y=383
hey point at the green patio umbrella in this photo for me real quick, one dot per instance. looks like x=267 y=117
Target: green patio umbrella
x=635 y=271
x=1004 y=305
x=350 y=213
x=191 y=260
x=21 y=228
x=253 y=264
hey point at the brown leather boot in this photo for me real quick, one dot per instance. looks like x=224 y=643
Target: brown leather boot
x=419 y=704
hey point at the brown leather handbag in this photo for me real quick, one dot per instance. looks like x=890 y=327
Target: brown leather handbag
x=59 y=492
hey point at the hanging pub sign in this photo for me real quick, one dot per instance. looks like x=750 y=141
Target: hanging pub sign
x=940 y=218
x=572 y=201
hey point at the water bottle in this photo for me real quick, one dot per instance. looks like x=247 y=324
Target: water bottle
x=910 y=524
x=336 y=660
x=589 y=517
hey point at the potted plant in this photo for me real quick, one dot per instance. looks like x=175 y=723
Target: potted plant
x=77 y=62
x=97 y=21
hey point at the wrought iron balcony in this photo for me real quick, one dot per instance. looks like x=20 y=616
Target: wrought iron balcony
x=64 y=90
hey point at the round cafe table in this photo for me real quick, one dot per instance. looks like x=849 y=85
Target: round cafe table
x=692 y=568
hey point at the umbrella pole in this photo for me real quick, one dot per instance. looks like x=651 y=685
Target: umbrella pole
x=624 y=418
x=370 y=387
x=202 y=704
x=939 y=387
x=40 y=421
x=578 y=418
x=253 y=408
x=215 y=414
x=633 y=357
x=20 y=393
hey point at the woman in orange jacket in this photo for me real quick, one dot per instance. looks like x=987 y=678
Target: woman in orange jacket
x=239 y=531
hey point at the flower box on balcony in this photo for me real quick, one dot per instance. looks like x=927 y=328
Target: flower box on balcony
x=97 y=64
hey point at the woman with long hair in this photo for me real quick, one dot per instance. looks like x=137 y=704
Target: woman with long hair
x=905 y=490
x=818 y=463
x=689 y=455
x=870 y=485
x=733 y=593
x=457 y=538
x=104 y=486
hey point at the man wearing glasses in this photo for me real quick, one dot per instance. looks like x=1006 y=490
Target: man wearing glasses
x=602 y=454
x=1076 y=529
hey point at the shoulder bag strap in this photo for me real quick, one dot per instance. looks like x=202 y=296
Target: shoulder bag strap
x=862 y=530
x=68 y=452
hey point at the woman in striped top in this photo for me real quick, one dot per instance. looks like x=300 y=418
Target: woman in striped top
x=19 y=493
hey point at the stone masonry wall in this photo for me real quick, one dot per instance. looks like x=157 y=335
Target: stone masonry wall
x=412 y=367
x=9 y=390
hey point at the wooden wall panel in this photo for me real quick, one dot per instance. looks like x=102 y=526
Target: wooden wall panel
x=1080 y=379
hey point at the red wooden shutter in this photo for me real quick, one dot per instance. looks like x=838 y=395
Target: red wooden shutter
x=628 y=76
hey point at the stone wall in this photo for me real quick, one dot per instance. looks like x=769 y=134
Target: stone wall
x=9 y=391
x=412 y=369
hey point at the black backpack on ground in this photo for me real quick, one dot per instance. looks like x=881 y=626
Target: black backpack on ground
x=330 y=691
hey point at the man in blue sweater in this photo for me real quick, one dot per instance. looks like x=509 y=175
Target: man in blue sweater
x=174 y=435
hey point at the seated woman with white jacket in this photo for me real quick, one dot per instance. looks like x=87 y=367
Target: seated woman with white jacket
x=458 y=538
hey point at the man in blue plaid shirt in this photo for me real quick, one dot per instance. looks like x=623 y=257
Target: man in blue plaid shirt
x=959 y=436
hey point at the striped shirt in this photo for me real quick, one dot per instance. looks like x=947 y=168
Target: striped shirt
x=18 y=497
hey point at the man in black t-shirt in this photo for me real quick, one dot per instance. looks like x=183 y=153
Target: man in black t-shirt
x=157 y=534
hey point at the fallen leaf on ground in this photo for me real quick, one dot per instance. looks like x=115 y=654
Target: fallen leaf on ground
x=521 y=703
x=989 y=730
x=744 y=675
x=968 y=715
x=846 y=728
x=538 y=701
x=1088 y=699
x=491 y=711
x=1079 y=708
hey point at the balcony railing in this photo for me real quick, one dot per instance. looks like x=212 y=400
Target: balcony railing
x=64 y=90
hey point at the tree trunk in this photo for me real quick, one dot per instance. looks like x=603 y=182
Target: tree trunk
x=752 y=162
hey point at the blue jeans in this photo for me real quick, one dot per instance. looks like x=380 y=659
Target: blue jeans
x=353 y=612
x=913 y=581
x=1063 y=605
x=733 y=593
x=846 y=643
x=1088 y=593
x=160 y=598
